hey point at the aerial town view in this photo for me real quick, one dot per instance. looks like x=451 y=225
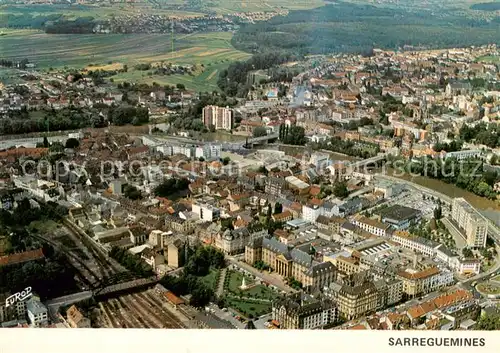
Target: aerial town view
x=258 y=164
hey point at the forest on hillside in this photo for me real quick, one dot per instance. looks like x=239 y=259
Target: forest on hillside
x=347 y=27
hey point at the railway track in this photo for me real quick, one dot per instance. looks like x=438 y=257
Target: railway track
x=78 y=263
x=89 y=252
x=137 y=318
x=153 y=301
x=120 y=312
x=137 y=322
x=108 y=268
x=139 y=308
x=113 y=321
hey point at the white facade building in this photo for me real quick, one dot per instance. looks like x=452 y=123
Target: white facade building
x=311 y=212
x=206 y=212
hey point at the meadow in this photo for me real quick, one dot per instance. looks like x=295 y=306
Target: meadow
x=212 y=50
x=228 y=6
x=78 y=51
x=490 y=59
x=96 y=11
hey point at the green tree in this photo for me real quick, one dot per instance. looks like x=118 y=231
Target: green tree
x=340 y=190
x=466 y=252
x=438 y=212
x=259 y=131
x=278 y=208
x=72 y=143
x=131 y=192
x=269 y=213
x=489 y=322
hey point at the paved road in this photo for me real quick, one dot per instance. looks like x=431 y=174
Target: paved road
x=457 y=236
x=263 y=276
x=227 y=316
x=220 y=284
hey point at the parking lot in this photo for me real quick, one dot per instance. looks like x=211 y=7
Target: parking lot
x=415 y=199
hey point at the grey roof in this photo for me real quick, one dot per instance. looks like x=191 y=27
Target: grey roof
x=321 y=267
x=446 y=251
x=296 y=255
x=460 y=85
x=35 y=307
x=399 y=213
x=237 y=233
x=349 y=226
x=303 y=304
x=351 y=204
x=301 y=257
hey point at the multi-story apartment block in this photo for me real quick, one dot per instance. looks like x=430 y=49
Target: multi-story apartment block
x=275 y=186
x=175 y=256
x=390 y=291
x=209 y=151
x=302 y=311
x=234 y=241
x=311 y=212
x=345 y=264
x=356 y=296
x=37 y=313
x=421 y=245
x=471 y=223
x=371 y=226
x=221 y=118
x=417 y=282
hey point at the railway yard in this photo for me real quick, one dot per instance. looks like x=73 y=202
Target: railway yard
x=145 y=309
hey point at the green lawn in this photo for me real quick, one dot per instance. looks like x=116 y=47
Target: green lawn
x=496 y=279
x=211 y=279
x=234 y=281
x=260 y=291
x=247 y=309
x=491 y=59
x=58 y=50
x=489 y=288
x=44 y=227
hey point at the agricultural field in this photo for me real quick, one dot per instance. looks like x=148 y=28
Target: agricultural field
x=228 y=6
x=83 y=51
x=232 y=6
x=212 y=50
x=98 y=12
x=490 y=59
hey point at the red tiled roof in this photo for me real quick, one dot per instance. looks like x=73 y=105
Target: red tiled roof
x=21 y=257
x=171 y=297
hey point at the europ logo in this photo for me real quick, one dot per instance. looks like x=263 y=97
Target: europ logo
x=19 y=296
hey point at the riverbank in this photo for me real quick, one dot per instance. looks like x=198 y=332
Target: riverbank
x=449 y=190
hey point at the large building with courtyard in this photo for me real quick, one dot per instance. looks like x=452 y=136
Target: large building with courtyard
x=290 y=262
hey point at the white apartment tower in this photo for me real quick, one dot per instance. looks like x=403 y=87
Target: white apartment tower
x=472 y=224
x=219 y=117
